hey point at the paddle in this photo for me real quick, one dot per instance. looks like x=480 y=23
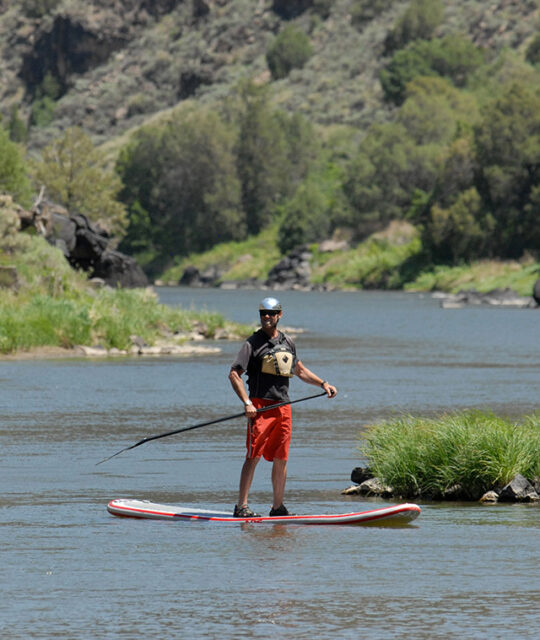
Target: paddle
x=206 y=424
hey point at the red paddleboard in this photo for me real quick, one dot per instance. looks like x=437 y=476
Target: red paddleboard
x=397 y=514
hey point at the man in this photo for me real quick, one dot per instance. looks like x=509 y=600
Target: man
x=269 y=359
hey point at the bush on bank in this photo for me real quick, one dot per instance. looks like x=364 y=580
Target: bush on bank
x=472 y=450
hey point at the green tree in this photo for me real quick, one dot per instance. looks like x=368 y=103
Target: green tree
x=18 y=131
x=13 y=171
x=434 y=109
x=507 y=142
x=453 y=57
x=461 y=232
x=44 y=104
x=309 y=215
x=419 y=22
x=74 y=174
x=291 y=49
x=384 y=175
x=181 y=187
x=262 y=157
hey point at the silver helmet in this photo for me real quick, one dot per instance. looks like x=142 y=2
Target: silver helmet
x=270 y=304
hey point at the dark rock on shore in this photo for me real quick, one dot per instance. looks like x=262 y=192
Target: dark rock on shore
x=536 y=292
x=518 y=490
x=85 y=245
x=292 y=272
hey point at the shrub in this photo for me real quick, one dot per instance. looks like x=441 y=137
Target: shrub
x=363 y=11
x=453 y=57
x=472 y=450
x=75 y=175
x=418 y=22
x=13 y=177
x=532 y=54
x=38 y=8
x=290 y=50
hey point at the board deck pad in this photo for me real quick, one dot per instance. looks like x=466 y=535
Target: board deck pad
x=396 y=514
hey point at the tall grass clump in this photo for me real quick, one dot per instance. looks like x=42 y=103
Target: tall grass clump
x=463 y=454
x=117 y=314
x=41 y=321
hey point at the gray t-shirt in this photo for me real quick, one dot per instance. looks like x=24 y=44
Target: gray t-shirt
x=249 y=359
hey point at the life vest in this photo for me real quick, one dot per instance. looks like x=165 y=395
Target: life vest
x=279 y=361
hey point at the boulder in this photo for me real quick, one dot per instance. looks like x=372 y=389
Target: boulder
x=375 y=487
x=360 y=474
x=191 y=277
x=519 y=490
x=292 y=272
x=536 y=291
x=85 y=245
x=490 y=497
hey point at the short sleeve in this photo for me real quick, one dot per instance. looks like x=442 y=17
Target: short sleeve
x=242 y=359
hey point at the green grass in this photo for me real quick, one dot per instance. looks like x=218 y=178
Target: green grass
x=250 y=259
x=374 y=264
x=473 y=450
x=483 y=276
x=55 y=306
x=108 y=317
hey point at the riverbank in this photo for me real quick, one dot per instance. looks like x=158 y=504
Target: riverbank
x=107 y=322
x=390 y=259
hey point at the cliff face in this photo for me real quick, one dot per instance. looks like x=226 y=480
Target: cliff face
x=114 y=63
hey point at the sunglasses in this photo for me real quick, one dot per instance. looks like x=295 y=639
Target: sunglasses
x=268 y=313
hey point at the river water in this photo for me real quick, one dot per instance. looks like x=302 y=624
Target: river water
x=70 y=570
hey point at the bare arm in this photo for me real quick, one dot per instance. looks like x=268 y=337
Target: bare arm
x=240 y=390
x=311 y=378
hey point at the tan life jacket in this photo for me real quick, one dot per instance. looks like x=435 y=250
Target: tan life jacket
x=279 y=361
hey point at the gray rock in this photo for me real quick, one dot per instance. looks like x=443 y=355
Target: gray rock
x=519 y=490
x=360 y=474
x=375 y=487
x=490 y=497
x=536 y=291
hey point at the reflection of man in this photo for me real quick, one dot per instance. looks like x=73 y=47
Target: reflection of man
x=269 y=359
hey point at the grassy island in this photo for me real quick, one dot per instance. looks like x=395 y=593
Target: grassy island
x=472 y=451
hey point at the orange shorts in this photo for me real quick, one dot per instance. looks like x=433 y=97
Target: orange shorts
x=269 y=434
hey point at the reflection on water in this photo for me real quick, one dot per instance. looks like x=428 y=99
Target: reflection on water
x=69 y=569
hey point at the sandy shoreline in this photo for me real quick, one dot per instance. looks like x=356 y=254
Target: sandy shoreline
x=60 y=353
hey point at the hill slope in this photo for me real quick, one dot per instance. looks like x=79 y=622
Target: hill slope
x=108 y=66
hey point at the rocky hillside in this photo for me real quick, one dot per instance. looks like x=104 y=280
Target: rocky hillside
x=109 y=65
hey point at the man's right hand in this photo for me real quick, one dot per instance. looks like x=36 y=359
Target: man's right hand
x=251 y=412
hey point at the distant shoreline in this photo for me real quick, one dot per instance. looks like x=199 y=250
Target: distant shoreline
x=61 y=353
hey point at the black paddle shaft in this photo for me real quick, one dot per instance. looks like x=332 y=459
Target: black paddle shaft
x=206 y=424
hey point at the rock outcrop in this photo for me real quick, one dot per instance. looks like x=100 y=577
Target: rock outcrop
x=536 y=292
x=85 y=245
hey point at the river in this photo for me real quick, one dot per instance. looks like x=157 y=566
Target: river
x=70 y=570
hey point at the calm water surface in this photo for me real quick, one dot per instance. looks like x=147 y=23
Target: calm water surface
x=70 y=570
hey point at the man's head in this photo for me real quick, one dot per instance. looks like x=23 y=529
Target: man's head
x=270 y=313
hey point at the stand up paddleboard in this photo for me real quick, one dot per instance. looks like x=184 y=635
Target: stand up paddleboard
x=398 y=514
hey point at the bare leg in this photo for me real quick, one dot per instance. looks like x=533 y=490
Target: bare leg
x=279 y=478
x=246 y=478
